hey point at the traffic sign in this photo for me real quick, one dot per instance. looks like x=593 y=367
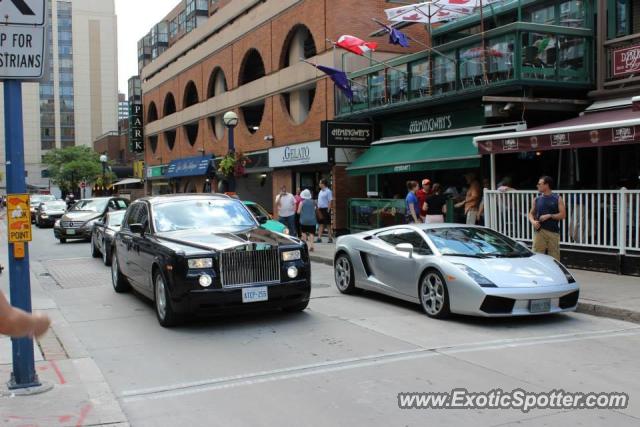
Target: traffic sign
x=22 y=39
x=19 y=217
x=22 y=12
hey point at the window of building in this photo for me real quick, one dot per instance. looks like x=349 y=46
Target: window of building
x=253 y=115
x=152 y=113
x=298 y=44
x=217 y=83
x=190 y=95
x=169 y=105
x=252 y=67
x=299 y=102
x=170 y=139
x=444 y=72
x=619 y=16
x=191 y=131
x=420 y=78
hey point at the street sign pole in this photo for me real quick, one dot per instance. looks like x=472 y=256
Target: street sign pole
x=24 y=373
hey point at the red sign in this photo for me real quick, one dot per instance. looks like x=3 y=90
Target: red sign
x=626 y=61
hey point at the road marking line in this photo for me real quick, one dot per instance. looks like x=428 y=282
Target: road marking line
x=355 y=363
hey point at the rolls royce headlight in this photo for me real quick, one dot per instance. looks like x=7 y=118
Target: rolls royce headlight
x=568 y=275
x=205 y=280
x=201 y=263
x=481 y=280
x=290 y=255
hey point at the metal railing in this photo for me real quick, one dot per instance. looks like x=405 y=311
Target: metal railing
x=596 y=219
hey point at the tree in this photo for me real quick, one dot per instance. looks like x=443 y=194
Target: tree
x=70 y=166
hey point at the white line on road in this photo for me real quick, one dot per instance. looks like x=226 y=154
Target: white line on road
x=213 y=384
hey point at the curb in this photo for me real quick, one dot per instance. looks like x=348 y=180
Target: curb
x=592 y=309
x=607 y=311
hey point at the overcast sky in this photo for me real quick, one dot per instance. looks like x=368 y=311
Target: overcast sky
x=135 y=19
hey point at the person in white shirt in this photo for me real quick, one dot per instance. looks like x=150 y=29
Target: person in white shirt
x=286 y=206
x=325 y=201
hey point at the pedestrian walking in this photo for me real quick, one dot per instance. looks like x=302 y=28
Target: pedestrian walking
x=471 y=200
x=412 y=215
x=434 y=206
x=308 y=219
x=18 y=324
x=325 y=203
x=298 y=201
x=286 y=206
x=422 y=195
x=547 y=210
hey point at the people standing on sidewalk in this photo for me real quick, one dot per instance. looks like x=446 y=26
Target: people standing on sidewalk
x=325 y=202
x=298 y=201
x=18 y=324
x=422 y=195
x=471 y=200
x=286 y=206
x=547 y=210
x=308 y=221
x=412 y=215
x=486 y=185
x=434 y=206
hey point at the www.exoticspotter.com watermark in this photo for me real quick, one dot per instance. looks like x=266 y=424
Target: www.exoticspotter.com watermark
x=520 y=399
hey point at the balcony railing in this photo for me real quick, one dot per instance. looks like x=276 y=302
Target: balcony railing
x=519 y=52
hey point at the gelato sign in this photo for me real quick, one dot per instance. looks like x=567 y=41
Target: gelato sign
x=298 y=154
x=626 y=61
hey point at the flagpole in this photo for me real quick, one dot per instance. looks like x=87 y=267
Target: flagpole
x=375 y=61
x=483 y=46
x=350 y=80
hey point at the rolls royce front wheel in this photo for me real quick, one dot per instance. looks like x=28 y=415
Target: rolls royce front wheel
x=166 y=316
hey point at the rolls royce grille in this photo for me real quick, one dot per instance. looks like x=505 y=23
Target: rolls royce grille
x=241 y=268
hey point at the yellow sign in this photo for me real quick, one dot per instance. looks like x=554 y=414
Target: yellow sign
x=18 y=250
x=19 y=218
x=138 y=169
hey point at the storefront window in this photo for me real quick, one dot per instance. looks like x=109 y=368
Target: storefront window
x=539 y=55
x=500 y=55
x=571 y=61
x=622 y=15
x=397 y=82
x=471 y=69
x=545 y=15
x=377 y=92
x=572 y=14
x=420 y=79
x=444 y=73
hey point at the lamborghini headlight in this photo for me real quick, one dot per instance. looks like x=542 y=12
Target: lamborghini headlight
x=477 y=277
x=568 y=275
x=200 y=263
x=291 y=255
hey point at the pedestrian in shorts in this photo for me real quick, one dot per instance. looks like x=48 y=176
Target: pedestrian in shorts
x=547 y=210
x=325 y=201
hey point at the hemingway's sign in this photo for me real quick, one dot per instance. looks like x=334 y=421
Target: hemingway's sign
x=346 y=135
x=626 y=61
x=431 y=124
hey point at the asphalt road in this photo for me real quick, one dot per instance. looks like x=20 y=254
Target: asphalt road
x=343 y=361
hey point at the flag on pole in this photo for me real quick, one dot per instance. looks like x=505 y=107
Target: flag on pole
x=356 y=45
x=396 y=37
x=339 y=78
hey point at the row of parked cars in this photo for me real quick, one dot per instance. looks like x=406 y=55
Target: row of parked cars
x=211 y=254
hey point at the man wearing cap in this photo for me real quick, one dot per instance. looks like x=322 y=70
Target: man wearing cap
x=422 y=195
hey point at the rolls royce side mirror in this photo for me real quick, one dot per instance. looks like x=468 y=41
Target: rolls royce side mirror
x=405 y=247
x=137 y=229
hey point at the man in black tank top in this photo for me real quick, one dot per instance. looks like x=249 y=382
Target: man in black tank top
x=547 y=210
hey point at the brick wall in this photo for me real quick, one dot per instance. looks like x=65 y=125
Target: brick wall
x=345 y=187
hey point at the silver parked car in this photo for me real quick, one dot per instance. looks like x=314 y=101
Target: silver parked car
x=449 y=268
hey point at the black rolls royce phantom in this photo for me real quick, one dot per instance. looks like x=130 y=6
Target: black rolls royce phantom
x=206 y=254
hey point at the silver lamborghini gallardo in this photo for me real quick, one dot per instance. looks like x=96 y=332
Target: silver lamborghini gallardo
x=448 y=268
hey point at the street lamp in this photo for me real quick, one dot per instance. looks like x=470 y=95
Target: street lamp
x=104 y=159
x=230 y=120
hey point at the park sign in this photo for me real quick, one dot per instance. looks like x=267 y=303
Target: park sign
x=136 y=128
x=19 y=218
x=22 y=39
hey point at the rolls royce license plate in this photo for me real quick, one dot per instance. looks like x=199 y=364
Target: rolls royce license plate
x=255 y=294
x=540 y=305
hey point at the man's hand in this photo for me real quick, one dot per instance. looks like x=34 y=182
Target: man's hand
x=536 y=225
x=41 y=323
x=545 y=217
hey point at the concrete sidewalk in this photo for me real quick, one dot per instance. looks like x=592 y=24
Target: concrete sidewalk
x=80 y=395
x=601 y=294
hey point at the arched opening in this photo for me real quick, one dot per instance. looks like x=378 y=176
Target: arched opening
x=252 y=67
x=252 y=115
x=169 y=105
x=191 y=130
x=298 y=44
x=217 y=83
x=217 y=127
x=190 y=95
x=170 y=139
x=152 y=113
x=299 y=102
x=153 y=143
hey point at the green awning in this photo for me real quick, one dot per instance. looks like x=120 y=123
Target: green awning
x=434 y=154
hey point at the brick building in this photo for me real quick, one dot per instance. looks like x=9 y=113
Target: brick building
x=244 y=56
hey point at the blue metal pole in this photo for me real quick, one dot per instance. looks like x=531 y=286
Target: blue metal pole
x=24 y=373
x=232 y=147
